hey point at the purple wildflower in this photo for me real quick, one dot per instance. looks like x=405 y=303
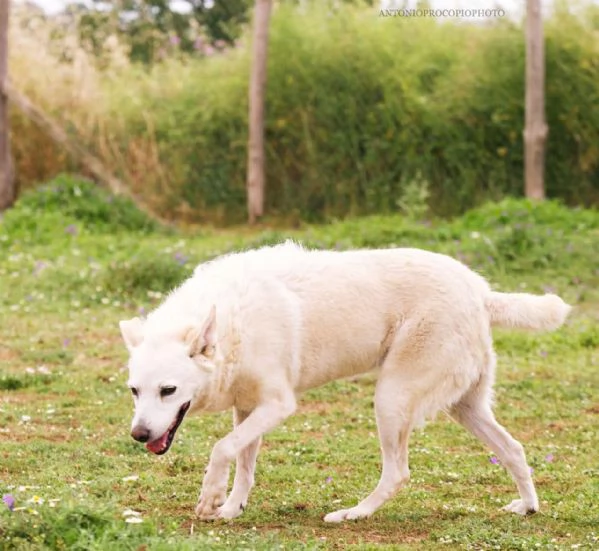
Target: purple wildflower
x=174 y=40
x=198 y=44
x=494 y=460
x=66 y=342
x=9 y=501
x=39 y=266
x=543 y=353
x=180 y=258
x=141 y=310
x=549 y=458
x=329 y=479
x=71 y=229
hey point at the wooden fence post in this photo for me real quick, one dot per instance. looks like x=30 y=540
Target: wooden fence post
x=535 y=130
x=257 y=93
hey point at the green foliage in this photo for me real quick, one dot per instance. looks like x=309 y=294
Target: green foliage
x=69 y=205
x=414 y=198
x=152 y=30
x=140 y=274
x=68 y=528
x=359 y=106
x=552 y=214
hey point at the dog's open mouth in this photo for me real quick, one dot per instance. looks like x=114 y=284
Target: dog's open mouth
x=162 y=444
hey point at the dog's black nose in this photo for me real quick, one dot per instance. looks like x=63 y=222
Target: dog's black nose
x=141 y=434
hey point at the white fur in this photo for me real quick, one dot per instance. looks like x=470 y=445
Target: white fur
x=289 y=319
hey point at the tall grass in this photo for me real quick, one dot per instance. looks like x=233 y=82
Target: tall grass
x=359 y=108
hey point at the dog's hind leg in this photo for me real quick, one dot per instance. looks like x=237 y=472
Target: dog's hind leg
x=244 y=475
x=474 y=412
x=394 y=426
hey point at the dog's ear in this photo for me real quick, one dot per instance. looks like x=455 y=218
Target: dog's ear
x=203 y=341
x=132 y=332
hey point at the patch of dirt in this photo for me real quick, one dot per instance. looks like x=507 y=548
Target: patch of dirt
x=7 y=355
x=50 y=433
x=15 y=397
x=335 y=536
x=319 y=408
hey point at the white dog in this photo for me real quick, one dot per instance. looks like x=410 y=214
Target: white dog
x=250 y=331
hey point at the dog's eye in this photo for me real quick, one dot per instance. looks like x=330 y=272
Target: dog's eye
x=134 y=391
x=167 y=391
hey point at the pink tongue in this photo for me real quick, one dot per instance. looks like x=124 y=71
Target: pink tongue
x=157 y=445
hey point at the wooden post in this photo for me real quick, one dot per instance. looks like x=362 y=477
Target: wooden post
x=7 y=175
x=257 y=94
x=535 y=130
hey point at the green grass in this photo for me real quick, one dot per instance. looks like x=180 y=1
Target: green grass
x=65 y=410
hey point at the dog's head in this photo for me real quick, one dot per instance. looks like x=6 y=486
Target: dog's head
x=167 y=375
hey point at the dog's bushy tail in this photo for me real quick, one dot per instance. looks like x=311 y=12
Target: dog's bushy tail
x=526 y=311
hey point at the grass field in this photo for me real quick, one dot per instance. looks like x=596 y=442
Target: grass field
x=68 y=274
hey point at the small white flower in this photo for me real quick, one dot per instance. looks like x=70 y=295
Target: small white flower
x=25 y=418
x=133 y=520
x=131 y=513
x=131 y=478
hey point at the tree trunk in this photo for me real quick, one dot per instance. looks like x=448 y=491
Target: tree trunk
x=7 y=176
x=535 y=131
x=257 y=93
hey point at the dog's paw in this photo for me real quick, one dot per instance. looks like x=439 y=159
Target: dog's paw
x=230 y=510
x=354 y=513
x=520 y=507
x=214 y=492
x=209 y=505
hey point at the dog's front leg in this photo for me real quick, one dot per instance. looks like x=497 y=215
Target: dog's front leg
x=214 y=487
x=244 y=474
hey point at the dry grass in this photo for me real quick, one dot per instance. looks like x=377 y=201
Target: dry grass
x=75 y=88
